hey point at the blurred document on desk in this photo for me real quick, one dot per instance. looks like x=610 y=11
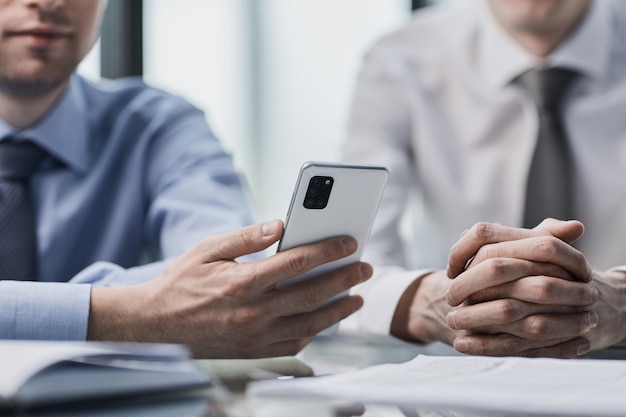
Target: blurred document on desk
x=527 y=386
x=36 y=373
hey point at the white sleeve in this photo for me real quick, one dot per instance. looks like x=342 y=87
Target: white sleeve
x=379 y=132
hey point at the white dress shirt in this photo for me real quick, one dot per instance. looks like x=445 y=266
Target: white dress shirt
x=435 y=104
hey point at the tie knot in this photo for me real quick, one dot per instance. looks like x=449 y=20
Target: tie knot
x=546 y=86
x=19 y=160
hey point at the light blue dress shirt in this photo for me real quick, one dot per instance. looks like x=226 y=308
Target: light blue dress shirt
x=135 y=176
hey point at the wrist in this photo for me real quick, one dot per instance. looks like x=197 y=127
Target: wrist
x=118 y=314
x=421 y=312
x=611 y=309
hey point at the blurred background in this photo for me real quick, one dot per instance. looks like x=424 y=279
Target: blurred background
x=274 y=77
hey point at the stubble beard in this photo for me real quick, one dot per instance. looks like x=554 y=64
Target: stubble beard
x=22 y=85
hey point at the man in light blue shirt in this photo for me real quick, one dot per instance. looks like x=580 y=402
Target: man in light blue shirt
x=132 y=176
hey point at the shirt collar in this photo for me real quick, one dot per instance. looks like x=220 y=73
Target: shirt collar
x=63 y=131
x=587 y=49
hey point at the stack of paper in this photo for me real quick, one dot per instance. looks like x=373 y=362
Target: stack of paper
x=42 y=373
x=540 y=387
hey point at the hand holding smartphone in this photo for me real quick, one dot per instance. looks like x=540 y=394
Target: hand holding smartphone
x=333 y=199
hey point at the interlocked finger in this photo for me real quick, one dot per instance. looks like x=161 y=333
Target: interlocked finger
x=540 y=290
x=497 y=271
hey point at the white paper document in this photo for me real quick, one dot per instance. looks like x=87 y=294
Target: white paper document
x=34 y=373
x=517 y=386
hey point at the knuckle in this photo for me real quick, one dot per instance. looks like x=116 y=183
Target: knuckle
x=482 y=347
x=296 y=262
x=252 y=273
x=509 y=345
x=247 y=317
x=495 y=346
x=497 y=266
x=246 y=236
x=313 y=296
x=235 y=287
x=485 y=252
x=584 y=294
x=508 y=310
x=482 y=231
x=536 y=328
x=548 y=245
x=541 y=290
x=241 y=238
x=581 y=260
x=331 y=251
x=231 y=290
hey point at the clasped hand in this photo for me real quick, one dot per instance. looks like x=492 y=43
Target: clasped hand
x=529 y=292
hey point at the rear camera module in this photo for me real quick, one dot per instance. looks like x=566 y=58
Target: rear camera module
x=318 y=192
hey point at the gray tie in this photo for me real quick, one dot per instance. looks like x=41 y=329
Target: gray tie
x=549 y=186
x=18 y=239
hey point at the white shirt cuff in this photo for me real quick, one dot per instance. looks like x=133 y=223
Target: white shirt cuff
x=381 y=295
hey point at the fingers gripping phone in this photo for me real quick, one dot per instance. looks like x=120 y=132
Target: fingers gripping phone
x=332 y=199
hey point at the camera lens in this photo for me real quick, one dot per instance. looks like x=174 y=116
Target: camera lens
x=313 y=192
x=315 y=181
x=321 y=203
x=309 y=203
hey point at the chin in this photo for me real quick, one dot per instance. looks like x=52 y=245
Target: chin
x=30 y=87
x=34 y=78
x=537 y=15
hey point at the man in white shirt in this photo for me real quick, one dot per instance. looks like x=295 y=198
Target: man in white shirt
x=436 y=102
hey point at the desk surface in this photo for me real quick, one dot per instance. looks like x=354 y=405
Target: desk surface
x=325 y=355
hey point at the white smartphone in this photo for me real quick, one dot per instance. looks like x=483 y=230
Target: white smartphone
x=333 y=199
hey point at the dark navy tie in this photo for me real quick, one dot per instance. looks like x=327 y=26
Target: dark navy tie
x=549 y=186
x=18 y=239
